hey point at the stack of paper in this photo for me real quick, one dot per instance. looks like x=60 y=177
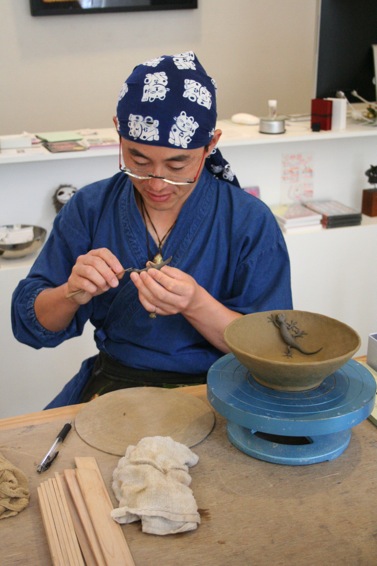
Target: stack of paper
x=58 y=142
x=296 y=217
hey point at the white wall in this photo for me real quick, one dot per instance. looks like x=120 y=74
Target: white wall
x=64 y=72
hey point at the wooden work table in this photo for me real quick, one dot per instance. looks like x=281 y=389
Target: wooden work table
x=254 y=513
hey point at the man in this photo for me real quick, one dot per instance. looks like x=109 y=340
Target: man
x=204 y=252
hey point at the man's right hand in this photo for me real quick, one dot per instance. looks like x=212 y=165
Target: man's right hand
x=93 y=274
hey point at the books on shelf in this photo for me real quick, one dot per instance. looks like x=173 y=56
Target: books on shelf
x=335 y=214
x=63 y=146
x=60 y=142
x=294 y=217
x=57 y=142
x=316 y=214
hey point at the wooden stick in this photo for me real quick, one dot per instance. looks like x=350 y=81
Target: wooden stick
x=90 y=559
x=110 y=534
x=49 y=525
x=90 y=463
x=73 y=486
x=58 y=520
x=68 y=523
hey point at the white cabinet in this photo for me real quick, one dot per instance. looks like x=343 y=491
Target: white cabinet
x=334 y=272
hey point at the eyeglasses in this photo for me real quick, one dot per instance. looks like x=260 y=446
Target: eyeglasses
x=138 y=174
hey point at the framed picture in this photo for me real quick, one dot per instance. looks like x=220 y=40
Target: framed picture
x=66 y=7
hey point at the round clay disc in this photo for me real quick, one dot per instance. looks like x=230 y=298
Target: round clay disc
x=115 y=420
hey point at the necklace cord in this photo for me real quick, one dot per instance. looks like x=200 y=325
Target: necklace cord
x=161 y=241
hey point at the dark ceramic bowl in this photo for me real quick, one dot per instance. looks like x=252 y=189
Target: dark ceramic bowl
x=257 y=343
x=22 y=249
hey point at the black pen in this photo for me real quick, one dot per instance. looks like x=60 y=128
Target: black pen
x=53 y=452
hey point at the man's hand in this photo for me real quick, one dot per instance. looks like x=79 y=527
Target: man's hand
x=171 y=291
x=94 y=273
x=166 y=291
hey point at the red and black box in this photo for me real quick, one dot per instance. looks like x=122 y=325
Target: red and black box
x=321 y=114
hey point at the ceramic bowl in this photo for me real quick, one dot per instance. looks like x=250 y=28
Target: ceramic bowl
x=257 y=343
x=22 y=249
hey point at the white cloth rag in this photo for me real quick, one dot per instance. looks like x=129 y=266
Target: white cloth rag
x=16 y=234
x=151 y=483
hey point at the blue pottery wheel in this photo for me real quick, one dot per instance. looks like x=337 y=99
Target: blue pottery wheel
x=294 y=428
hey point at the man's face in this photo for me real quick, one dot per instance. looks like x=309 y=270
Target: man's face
x=169 y=163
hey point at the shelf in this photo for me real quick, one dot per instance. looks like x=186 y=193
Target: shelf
x=368 y=224
x=233 y=135
x=236 y=135
x=40 y=153
x=30 y=156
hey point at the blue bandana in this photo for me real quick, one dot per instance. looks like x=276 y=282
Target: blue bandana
x=170 y=101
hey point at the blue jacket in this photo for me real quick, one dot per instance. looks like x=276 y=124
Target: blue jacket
x=226 y=239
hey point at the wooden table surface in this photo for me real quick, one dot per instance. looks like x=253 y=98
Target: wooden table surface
x=253 y=513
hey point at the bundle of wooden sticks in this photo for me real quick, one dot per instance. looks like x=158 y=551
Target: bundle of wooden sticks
x=75 y=509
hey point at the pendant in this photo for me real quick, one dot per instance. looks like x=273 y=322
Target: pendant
x=158 y=258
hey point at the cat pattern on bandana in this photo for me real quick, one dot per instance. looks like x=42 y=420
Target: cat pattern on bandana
x=143 y=129
x=155 y=86
x=182 y=131
x=195 y=92
x=185 y=61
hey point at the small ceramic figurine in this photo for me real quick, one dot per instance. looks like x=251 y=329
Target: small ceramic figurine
x=371 y=173
x=62 y=195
